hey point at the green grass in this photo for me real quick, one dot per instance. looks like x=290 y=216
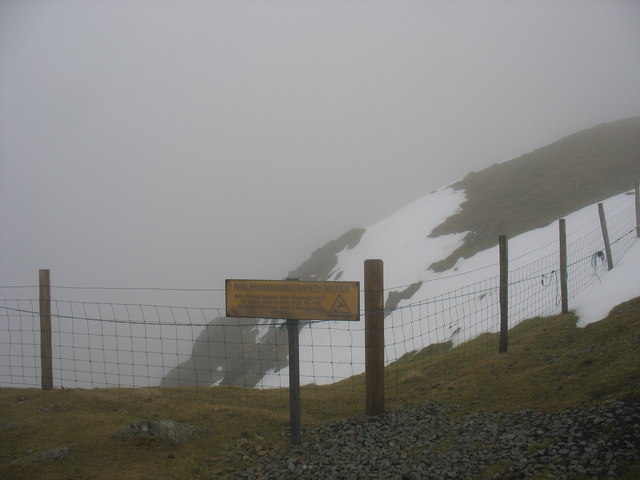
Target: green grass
x=551 y=364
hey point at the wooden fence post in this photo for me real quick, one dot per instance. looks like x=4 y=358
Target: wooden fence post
x=374 y=336
x=637 y=210
x=504 y=294
x=563 y=266
x=46 y=362
x=293 y=334
x=605 y=236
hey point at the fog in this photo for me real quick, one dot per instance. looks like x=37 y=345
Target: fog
x=179 y=143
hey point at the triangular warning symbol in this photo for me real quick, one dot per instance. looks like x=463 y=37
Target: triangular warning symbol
x=339 y=306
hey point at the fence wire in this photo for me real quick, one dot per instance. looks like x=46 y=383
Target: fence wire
x=97 y=345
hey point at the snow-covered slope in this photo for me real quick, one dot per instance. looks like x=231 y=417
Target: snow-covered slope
x=402 y=242
x=460 y=303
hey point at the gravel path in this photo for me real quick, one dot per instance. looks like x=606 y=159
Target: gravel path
x=430 y=441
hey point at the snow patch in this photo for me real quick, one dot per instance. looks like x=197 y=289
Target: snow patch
x=331 y=351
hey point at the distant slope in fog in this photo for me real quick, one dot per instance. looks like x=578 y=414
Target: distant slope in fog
x=534 y=189
x=455 y=222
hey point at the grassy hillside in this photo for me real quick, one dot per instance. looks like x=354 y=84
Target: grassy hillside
x=535 y=189
x=551 y=364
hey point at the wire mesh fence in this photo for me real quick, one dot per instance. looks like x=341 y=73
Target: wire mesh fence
x=98 y=344
x=473 y=312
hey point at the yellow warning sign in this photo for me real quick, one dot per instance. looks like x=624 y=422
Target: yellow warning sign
x=293 y=299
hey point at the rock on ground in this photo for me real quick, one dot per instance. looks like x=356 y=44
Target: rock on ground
x=165 y=430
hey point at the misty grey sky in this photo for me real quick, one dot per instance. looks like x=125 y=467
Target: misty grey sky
x=178 y=143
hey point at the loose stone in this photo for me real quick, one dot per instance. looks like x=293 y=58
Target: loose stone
x=427 y=441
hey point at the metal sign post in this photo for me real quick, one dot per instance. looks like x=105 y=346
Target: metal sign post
x=294 y=381
x=295 y=301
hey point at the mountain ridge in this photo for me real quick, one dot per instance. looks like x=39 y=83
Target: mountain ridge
x=577 y=170
x=511 y=197
x=601 y=159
